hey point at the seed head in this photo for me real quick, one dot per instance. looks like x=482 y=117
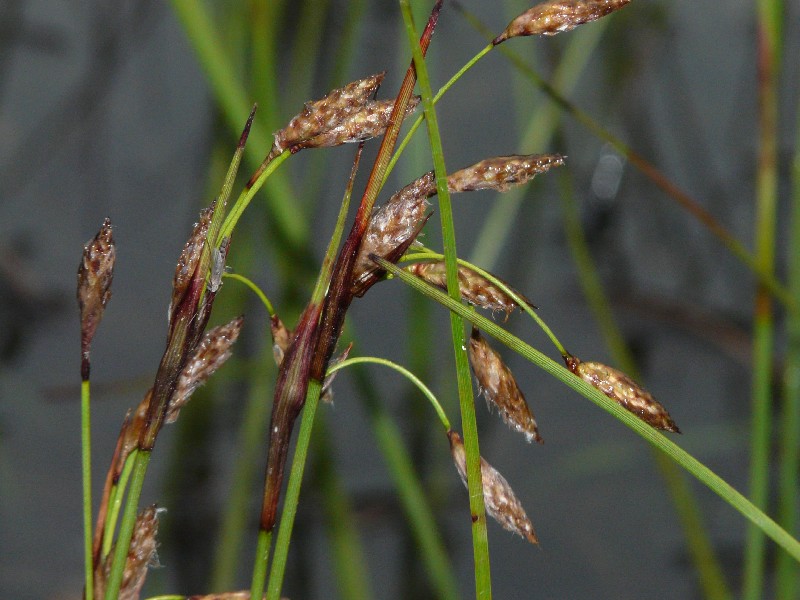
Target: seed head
x=370 y=121
x=500 y=500
x=190 y=258
x=328 y=112
x=501 y=172
x=94 y=282
x=557 y=16
x=500 y=389
x=624 y=391
x=475 y=288
x=211 y=353
x=391 y=229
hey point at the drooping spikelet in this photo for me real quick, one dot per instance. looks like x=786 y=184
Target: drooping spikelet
x=557 y=16
x=475 y=288
x=501 y=502
x=211 y=353
x=500 y=389
x=370 y=121
x=624 y=391
x=501 y=172
x=392 y=228
x=94 y=284
x=328 y=112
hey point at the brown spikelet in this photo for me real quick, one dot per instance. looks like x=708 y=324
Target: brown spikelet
x=624 y=391
x=501 y=172
x=391 y=229
x=141 y=556
x=328 y=112
x=475 y=288
x=370 y=121
x=498 y=386
x=501 y=502
x=281 y=337
x=190 y=257
x=211 y=353
x=94 y=286
x=557 y=16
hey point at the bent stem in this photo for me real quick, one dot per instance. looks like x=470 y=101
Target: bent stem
x=697 y=469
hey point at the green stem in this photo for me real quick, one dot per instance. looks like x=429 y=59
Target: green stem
x=126 y=526
x=652 y=436
x=768 y=42
x=115 y=502
x=480 y=542
x=405 y=373
x=253 y=288
x=86 y=465
x=261 y=562
x=292 y=494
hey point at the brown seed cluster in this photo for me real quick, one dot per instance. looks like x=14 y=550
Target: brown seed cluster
x=474 y=288
x=391 y=230
x=326 y=113
x=211 y=353
x=557 y=16
x=190 y=258
x=94 y=283
x=501 y=172
x=624 y=391
x=500 y=389
x=501 y=502
x=141 y=556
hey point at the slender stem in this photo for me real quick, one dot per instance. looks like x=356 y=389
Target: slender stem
x=292 y=494
x=86 y=464
x=698 y=470
x=405 y=373
x=115 y=502
x=480 y=542
x=261 y=562
x=763 y=325
x=127 y=524
x=253 y=288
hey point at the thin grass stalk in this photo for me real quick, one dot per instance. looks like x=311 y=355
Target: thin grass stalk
x=430 y=546
x=768 y=52
x=305 y=49
x=684 y=200
x=86 y=468
x=787 y=576
x=698 y=470
x=235 y=105
x=709 y=570
x=347 y=552
x=483 y=582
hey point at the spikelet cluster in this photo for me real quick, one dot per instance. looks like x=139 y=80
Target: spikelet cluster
x=557 y=16
x=211 y=353
x=624 y=391
x=502 y=172
x=391 y=229
x=95 y=274
x=501 y=502
x=326 y=113
x=500 y=389
x=474 y=287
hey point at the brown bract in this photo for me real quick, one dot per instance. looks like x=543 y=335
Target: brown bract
x=502 y=172
x=474 y=288
x=557 y=16
x=624 y=391
x=190 y=258
x=94 y=283
x=501 y=502
x=500 y=388
x=328 y=112
x=391 y=229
